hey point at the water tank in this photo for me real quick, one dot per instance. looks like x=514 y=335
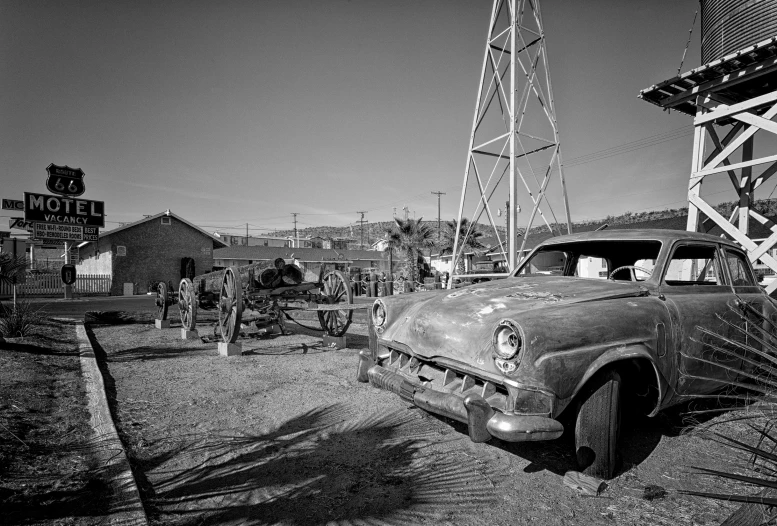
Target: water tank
x=730 y=25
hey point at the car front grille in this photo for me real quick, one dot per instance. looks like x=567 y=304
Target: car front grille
x=443 y=379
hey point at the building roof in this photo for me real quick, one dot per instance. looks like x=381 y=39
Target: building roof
x=168 y=213
x=303 y=254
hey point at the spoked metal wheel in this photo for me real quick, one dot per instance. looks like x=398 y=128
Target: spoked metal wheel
x=162 y=295
x=230 y=305
x=187 y=304
x=337 y=291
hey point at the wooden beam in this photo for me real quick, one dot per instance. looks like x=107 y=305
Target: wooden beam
x=768 y=242
x=724 y=82
x=746 y=188
x=740 y=140
x=744 y=164
x=755 y=120
x=693 y=189
x=748 y=244
x=726 y=110
x=718 y=148
x=761 y=179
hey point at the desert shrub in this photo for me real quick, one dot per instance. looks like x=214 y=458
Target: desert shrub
x=754 y=393
x=19 y=320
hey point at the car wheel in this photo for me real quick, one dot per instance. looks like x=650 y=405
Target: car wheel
x=598 y=425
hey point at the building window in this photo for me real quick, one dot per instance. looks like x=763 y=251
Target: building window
x=166 y=221
x=121 y=250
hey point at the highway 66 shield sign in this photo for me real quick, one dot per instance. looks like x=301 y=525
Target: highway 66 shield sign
x=64 y=180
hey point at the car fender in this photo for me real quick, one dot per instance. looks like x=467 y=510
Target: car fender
x=618 y=354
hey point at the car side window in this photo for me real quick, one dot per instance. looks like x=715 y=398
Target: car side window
x=693 y=265
x=591 y=267
x=551 y=262
x=739 y=270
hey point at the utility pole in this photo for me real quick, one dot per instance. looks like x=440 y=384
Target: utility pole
x=246 y=234
x=361 y=223
x=296 y=234
x=438 y=194
x=407 y=210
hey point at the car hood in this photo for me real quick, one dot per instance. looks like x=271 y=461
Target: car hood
x=458 y=324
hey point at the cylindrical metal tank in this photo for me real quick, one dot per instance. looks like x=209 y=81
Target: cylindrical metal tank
x=730 y=25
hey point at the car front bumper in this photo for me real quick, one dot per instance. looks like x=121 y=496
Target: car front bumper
x=482 y=420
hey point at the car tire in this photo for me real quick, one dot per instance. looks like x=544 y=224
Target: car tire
x=598 y=425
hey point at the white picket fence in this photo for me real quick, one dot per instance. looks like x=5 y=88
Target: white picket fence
x=51 y=284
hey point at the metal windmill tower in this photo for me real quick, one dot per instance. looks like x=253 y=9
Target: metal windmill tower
x=514 y=144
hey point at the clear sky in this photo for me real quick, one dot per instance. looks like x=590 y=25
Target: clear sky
x=242 y=112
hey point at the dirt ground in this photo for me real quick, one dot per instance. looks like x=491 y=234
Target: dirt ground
x=47 y=475
x=285 y=435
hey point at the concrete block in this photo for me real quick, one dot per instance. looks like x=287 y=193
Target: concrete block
x=189 y=335
x=230 y=349
x=335 y=342
x=162 y=324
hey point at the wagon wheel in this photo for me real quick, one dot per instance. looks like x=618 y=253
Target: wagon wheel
x=187 y=304
x=230 y=305
x=336 y=290
x=161 y=301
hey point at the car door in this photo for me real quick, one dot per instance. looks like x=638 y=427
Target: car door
x=753 y=326
x=694 y=283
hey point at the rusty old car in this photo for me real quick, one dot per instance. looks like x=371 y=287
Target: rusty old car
x=588 y=325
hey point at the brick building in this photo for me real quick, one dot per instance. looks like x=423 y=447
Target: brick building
x=148 y=251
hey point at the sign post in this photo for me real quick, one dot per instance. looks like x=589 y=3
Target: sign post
x=14 y=276
x=68 y=286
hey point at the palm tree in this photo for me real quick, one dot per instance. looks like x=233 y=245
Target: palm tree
x=469 y=240
x=408 y=236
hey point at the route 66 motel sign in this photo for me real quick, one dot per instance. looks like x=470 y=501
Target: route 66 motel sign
x=64 y=180
x=64 y=209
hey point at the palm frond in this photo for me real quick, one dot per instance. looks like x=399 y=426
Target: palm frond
x=750 y=342
x=11 y=267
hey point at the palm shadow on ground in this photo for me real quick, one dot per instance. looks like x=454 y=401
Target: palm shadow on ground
x=320 y=466
x=640 y=435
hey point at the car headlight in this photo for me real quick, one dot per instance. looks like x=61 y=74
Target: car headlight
x=507 y=339
x=378 y=314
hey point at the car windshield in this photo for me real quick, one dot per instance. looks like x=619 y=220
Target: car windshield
x=594 y=259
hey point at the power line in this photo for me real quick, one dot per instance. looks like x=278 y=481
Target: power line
x=631 y=146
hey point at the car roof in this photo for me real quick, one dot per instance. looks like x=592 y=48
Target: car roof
x=638 y=235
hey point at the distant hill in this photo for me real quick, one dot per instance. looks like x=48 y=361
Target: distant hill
x=374 y=231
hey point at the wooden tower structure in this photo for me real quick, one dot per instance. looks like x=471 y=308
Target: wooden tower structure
x=732 y=99
x=514 y=145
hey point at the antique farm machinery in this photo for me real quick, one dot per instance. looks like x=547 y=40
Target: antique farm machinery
x=262 y=296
